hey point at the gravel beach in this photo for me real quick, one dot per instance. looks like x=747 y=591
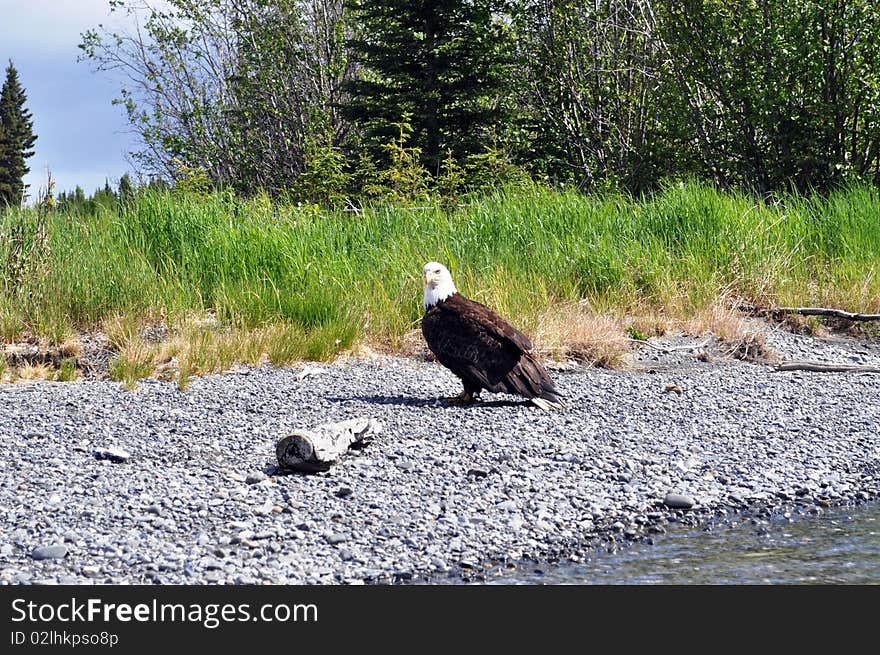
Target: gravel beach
x=442 y=491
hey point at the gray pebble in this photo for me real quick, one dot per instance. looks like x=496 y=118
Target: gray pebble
x=255 y=477
x=678 y=501
x=477 y=472
x=58 y=551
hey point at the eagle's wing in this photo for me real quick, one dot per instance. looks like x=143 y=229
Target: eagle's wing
x=468 y=337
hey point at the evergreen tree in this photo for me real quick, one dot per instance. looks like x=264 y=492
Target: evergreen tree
x=126 y=190
x=16 y=139
x=439 y=64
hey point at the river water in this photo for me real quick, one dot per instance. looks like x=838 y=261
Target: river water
x=841 y=546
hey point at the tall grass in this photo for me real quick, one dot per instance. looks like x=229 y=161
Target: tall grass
x=322 y=280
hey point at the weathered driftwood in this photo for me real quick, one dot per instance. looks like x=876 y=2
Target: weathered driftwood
x=813 y=311
x=822 y=311
x=696 y=346
x=820 y=367
x=321 y=447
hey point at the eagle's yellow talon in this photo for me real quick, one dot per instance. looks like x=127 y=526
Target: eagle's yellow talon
x=464 y=398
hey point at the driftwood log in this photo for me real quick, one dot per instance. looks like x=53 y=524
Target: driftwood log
x=310 y=451
x=810 y=311
x=822 y=311
x=821 y=367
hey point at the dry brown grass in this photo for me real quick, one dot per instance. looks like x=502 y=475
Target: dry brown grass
x=741 y=336
x=34 y=372
x=720 y=321
x=70 y=347
x=199 y=345
x=570 y=331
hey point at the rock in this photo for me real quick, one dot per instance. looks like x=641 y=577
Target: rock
x=678 y=501
x=343 y=492
x=115 y=455
x=57 y=551
x=244 y=535
x=335 y=538
x=310 y=371
x=255 y=477
x=265 y=509
x=477 y=472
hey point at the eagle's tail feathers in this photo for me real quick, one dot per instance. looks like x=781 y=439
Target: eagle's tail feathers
x=548 y=401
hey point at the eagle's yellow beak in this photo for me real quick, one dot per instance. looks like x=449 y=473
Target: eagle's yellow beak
x=425 y=276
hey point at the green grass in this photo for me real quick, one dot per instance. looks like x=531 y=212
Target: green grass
x=326 y=280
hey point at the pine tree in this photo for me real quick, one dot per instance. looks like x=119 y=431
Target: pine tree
x=16 y=139
x=440 y=62
x=126 y=190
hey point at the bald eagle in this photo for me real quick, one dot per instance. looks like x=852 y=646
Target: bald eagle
x=480 y=347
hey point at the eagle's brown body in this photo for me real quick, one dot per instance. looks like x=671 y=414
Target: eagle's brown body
x=485 y=351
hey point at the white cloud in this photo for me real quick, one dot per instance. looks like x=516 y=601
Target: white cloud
x=48 y=26
x=81 y=137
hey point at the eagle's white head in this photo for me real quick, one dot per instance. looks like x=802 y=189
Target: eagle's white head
x=438 y=283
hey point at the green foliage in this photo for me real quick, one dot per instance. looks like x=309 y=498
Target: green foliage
x=24 y=253
x=492 y=168
x=326 y=178
x=777 y=95
x=235 y=87
x=16 y=139
x=129 y=370
x=440 y=62
x=405 y=179
x=367 y=179
x=450 y=183
x=67 y=370
x=190 y=181
x=46 y=198
x=126 y=189
x=589 y=86
x=634 y=333
x=619 y=94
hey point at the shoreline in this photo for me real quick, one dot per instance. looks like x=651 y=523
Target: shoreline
x=441 y=490
x=763 y=519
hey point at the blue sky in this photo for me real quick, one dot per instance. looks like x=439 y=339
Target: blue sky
x=81 y=137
